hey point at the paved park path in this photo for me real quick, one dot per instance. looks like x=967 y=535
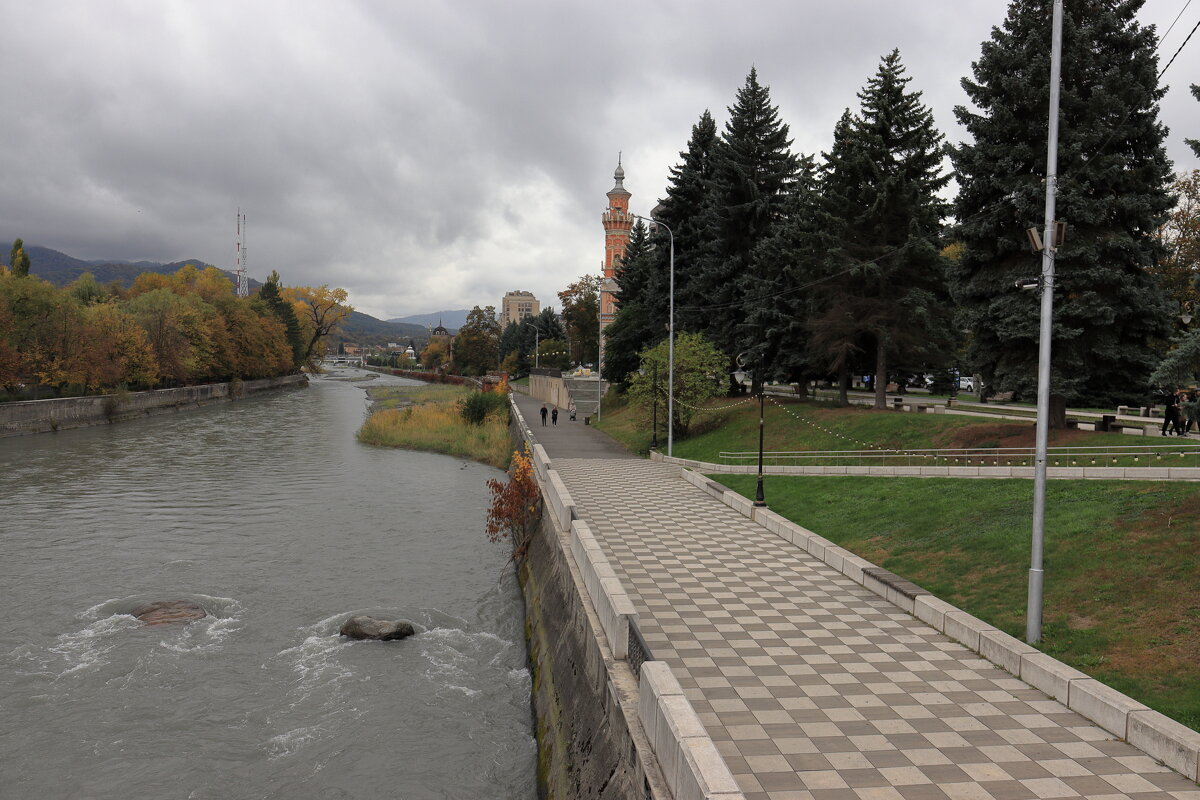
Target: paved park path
x=811 y=686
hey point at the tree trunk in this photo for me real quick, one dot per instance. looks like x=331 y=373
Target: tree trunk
x=880 y=374
x=844 y=385
x=1058 y=411
x=802 y=389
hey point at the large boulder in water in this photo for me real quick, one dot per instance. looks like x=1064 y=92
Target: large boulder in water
x=168 y=611
x=370 y=628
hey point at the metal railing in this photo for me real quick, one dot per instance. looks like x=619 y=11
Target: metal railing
x=1150 y=455
x=639 y=651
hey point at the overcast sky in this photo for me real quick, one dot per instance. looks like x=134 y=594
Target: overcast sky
x=430 y=155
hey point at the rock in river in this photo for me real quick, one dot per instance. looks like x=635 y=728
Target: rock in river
x=167 y=611
x=371 y=628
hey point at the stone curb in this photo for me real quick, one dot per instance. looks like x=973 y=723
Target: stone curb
x=1088 y=473
x=1157 y=735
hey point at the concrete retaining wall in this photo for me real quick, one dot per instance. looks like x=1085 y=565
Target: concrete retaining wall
x=548 y=386
x=1158 y=736
x=39 y=416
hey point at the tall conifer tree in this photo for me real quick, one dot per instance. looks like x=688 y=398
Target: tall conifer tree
x=887 y=295
x=1109 y=315
x=686 y=210
x=753 y=172
x=776 y=300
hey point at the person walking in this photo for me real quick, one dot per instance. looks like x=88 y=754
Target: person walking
x=554 y=416
x=571 y=410
x=544 y=415
x=1191 y=411
x=1171 y=415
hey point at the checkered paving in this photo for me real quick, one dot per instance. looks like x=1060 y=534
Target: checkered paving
x=814 y=688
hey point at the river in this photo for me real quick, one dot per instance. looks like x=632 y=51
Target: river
x=269 y=514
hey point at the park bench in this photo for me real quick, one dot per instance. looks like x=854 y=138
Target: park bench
x=1002 y=397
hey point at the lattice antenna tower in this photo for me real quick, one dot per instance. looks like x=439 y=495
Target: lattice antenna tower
x=243 y=281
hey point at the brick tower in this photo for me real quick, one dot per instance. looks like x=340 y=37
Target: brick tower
x=617 y=224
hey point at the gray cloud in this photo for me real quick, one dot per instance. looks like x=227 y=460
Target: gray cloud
x=425 y=155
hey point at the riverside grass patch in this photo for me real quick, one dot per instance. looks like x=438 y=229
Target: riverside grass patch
x=384 y=397
x=439 y=427
x=1121 y=559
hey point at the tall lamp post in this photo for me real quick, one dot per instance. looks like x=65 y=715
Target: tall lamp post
x=537 y=335
x=654 y=404
x=653 y=220
x=1033 y=614
x=760 y=499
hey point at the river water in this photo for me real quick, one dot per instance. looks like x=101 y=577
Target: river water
x=269 y=514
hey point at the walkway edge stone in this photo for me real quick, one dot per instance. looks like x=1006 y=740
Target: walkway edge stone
x=1159 y=736
x=1083 y=473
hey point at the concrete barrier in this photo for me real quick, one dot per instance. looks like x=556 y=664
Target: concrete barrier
x=691 y=764
x=1157 y=473
x=41 y=416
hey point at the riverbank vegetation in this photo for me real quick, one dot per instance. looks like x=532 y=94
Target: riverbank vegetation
x=1121 y=559
x=162 y=331
x=441 y=418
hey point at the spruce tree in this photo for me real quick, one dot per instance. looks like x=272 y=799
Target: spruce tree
x=887 y=294
x=686 y=210
x=274 y=302
x=776 y=297
x=1109 y=314
x=752 y=173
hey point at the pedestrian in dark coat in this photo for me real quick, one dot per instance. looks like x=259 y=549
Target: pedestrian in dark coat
x=543 y=415
x=1171 y=415
x=554 y=416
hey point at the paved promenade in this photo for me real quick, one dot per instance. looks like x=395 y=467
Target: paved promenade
x=810 y=685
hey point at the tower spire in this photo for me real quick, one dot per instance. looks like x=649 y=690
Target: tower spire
x=618 y=223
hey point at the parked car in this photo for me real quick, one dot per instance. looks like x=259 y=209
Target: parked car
x=966 y=384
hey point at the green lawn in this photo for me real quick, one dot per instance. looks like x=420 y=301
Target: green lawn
x=732 y=426
x=1122 y=559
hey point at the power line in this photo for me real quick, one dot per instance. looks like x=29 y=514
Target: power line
x=1180 y=50
x=1177 y=16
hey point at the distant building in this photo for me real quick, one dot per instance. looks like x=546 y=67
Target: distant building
x=618 y=224
x=518 y=305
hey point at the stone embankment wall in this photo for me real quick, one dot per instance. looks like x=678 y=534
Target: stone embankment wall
x=612 y=723
x=39 y=416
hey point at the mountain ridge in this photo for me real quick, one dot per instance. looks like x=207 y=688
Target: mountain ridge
x=61 y=269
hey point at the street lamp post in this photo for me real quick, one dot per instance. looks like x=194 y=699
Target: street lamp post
x=760 y=500
x=536 y=338
x=654 y=406
x=1033 y=613
x=670 y=332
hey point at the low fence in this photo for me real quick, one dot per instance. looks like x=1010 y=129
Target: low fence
x=1175 y=455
